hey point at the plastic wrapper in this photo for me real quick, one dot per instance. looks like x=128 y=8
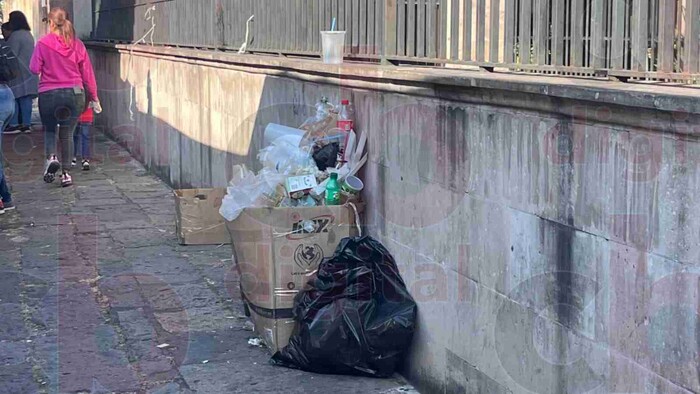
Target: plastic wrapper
x=248 y=190
x=317 y=195
x=287 y=159
x=307 y=201
x=288 y=203
x=355 y=317
x=322 y=138
x=323 y=119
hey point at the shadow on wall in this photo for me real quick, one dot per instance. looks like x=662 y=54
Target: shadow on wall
x=185 y=124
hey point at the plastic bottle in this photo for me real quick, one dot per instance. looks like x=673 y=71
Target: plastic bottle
x=346 y=124
x=346 y=116
x=317 y=125
x=323 y=108
x=333 y=190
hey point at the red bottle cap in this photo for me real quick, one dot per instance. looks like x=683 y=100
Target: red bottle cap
x=345 y=102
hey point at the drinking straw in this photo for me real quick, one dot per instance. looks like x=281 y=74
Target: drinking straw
x=333 y=24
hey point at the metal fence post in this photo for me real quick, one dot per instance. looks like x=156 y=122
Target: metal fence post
x=389 y=47
x=220 y=26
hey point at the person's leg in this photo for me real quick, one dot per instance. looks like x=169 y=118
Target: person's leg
x=25 y=107
x=5 y=194
x=65 y=135
x=7 y=106
x=47 y=111
x=76 y=143
x=85 y=140
x=84 y=131
x=73 y=106
x=14 y=120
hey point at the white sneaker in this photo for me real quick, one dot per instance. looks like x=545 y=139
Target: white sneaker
x=66 y=180
x=52 y=167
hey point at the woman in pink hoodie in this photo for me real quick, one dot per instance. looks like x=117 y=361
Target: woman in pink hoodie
x=66 y=78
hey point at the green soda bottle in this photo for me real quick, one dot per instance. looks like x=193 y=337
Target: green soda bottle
x=333 y=190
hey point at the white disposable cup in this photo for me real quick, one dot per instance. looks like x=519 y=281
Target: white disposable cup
x=333 y=43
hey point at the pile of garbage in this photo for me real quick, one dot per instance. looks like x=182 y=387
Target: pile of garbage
x=316 y=164
x=354 y=315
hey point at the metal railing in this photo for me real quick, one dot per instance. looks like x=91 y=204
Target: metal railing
x=637 y=39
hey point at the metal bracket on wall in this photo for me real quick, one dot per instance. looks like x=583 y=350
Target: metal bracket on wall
x=389 y=62
x=618 y=78
x=599 y=73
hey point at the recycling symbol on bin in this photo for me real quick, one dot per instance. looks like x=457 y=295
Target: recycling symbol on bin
x=308 y=257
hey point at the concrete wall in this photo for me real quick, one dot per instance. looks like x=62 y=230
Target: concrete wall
x=547 y=227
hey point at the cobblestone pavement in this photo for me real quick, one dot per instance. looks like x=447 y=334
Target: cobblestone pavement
x=97 y=296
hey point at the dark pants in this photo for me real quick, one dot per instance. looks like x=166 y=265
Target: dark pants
x=59 y=110
x=7 y=107
x=81 y=141
x=23 y=111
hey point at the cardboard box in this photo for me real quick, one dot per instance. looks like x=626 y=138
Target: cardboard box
x=276 y=251
x=198 y=220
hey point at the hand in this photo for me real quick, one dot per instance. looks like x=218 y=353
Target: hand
x=95 y=105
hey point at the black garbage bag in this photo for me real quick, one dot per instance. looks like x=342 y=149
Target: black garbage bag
x=327 y=157
x=355 y=317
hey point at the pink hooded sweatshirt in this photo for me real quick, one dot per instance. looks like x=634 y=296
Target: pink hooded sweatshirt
x=62 y=66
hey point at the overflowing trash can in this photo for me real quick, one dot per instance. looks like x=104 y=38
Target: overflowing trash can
x=276 y=251
x=321 y=297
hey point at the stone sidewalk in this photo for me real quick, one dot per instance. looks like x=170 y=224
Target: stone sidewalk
x=97 y=296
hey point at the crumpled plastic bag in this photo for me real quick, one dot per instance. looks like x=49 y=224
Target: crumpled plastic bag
x=248 y=190
x=287 y=159
x=355 y=317
x=322 y=120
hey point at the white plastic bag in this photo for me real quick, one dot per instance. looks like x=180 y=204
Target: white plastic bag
x=248 y=190
x=287 y=159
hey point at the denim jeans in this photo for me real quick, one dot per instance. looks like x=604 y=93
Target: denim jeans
x=59 y=110
x=7 y=108
x=81 y=141
x=23 y=112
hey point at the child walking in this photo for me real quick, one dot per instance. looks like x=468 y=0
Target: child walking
x=81 y=138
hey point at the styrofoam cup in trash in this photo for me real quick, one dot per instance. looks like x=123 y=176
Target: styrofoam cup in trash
x=333 y=43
